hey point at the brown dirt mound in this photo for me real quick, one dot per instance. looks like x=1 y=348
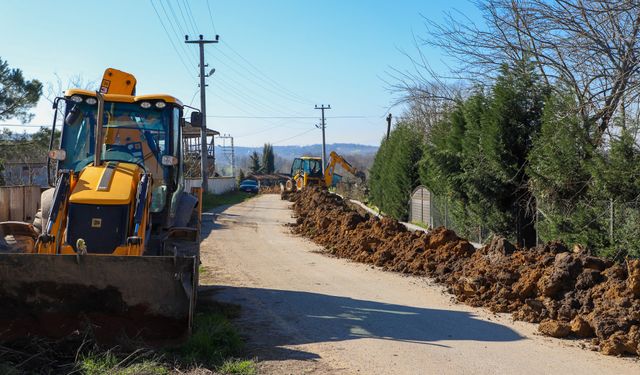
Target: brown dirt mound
x=569 y=293
x=274 y=189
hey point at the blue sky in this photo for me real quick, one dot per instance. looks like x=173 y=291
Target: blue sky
x=275 y=58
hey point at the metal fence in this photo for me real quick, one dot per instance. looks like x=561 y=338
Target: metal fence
x=606 y=225
x=429 y=209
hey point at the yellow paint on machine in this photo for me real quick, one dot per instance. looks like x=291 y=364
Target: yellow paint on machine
x=120 y=190
x=125 y=98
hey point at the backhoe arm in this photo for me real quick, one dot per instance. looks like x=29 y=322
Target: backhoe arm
x=334 y=159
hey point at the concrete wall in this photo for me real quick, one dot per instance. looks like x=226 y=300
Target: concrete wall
x=217 y=185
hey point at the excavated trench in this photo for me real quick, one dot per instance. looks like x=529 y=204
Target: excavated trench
x=570 y=294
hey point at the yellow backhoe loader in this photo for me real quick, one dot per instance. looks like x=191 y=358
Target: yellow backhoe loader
x=115 y=247
x=307 y=171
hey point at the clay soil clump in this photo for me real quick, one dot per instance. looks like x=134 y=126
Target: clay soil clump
x=571 y=294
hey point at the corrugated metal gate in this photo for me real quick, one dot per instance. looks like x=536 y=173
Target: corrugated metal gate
x=420 y=206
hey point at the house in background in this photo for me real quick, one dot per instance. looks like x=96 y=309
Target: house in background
x=25 y=173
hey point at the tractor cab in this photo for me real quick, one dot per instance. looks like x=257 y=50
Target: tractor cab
x=140 y=130
x=311 y=166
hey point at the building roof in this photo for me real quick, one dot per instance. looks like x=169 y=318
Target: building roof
x=189 y=131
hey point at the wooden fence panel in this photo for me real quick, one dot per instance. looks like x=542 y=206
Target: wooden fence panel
x=19 y=203
x=5 y=199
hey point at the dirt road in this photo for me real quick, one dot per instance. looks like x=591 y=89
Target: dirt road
x=304 y=312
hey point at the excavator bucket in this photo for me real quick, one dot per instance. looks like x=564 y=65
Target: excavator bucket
x=121 y=299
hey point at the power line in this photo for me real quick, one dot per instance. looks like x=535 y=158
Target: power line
x=25 y=125
x=294 y=136
x=274 y=88
x=178 y=34
x=185 y=19
x=211 y=18
x=240 y=74
x=251 y=100
x=265 y=76
x=175 y=18
x=171 y=40
x=282 y=124
x=190 y=15
x=293 y=117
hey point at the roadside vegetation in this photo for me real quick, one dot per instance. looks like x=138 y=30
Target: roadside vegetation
x=211 y=201
x=533 y=134
x=214 y=346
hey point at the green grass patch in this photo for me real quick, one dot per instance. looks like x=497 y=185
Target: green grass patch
x=238 y=366
x=210 y=201
x=213 y=340
x=214 y=345
x=421 y=224
x=109 y=363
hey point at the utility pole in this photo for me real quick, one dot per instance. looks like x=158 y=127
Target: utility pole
x=229 y=153
x=388 y=125
x=323 y=125
x=204 y=162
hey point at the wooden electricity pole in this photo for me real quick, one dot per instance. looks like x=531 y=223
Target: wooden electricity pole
x=204 y=156
x=323 y=125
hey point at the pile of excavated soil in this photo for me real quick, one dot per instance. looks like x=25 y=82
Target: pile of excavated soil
x=274 y=189
x=568 y=293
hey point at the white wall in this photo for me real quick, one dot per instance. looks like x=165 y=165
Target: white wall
x=217 y=185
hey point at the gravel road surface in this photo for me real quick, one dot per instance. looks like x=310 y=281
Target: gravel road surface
x=306 y=312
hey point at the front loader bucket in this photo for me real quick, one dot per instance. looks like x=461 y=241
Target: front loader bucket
x=119 y=298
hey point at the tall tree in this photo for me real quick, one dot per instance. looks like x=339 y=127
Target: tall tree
x=241 y=176
x=254 y=163
x=268 y=159
x=17 y=95
x=394 y=173
x=477 y=156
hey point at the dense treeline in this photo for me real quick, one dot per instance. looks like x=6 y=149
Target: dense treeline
x=516 y=159
x=536 y=142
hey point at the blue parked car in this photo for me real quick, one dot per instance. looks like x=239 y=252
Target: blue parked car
x=249 y=186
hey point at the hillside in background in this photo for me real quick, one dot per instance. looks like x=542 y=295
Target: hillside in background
x=360 y=156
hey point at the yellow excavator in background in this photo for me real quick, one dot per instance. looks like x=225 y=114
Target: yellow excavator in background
x=115 y=247
x=307 y=171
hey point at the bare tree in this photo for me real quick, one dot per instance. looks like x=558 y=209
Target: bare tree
x=56 y=88
x=587 y=46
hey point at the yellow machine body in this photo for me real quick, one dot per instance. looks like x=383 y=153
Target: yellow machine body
x=113 y=250
x=305 y=171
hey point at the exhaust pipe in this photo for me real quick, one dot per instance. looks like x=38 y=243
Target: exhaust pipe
x=98 y=132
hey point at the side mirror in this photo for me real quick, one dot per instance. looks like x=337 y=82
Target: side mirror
x=196 y=119
x=169 y=160
x=73 y=116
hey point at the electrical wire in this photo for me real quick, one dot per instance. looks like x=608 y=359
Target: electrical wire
x=264 y=76
x=184 y=18
x=25 y=126
x=292 y=117
x=171 y=41
x=211 y=18
x=294 y=136
x=188 y=51
x=269 y=102
x=190 y=15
